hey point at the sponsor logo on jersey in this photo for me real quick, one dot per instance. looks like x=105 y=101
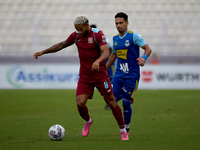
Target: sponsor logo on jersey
x=124 y=67
x=122 y=53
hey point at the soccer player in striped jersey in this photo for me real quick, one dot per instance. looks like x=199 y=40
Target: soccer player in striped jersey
x=126 y=46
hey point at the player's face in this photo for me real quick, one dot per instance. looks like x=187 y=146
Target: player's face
x=82 y=29
x=121 y=25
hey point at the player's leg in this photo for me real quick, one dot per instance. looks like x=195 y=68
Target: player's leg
x=84 y=91
x=110 y=76
x=127 y=111
x=117 y=87
x=117 y=113
x=110 y=72
x=81 y=105
x=116 y=110
x=129 y=88
x=105 y=89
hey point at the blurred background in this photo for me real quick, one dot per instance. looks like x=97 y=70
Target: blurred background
x=171 y=28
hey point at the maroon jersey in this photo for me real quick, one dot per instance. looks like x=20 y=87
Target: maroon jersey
x=89 y=52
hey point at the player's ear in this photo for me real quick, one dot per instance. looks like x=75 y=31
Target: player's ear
x=87 y=24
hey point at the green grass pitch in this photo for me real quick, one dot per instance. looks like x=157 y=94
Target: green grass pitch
x=162 y=120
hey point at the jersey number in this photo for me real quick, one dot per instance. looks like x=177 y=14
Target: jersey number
x=124 y=67
x=106 y=85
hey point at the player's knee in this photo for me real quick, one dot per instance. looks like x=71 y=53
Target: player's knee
x=80 y=102
x=127 y=110
x=126 y=103
x=119 y=97
x=110 y=100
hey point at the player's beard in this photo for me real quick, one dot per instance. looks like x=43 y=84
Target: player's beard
x=120 y=30
x=85 y=34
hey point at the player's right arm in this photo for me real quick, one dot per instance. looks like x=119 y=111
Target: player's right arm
x=111 y=60
x=55 y=48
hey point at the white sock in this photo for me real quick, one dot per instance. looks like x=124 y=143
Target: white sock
x=121 y=130
x=90 y=120
x=127 y=126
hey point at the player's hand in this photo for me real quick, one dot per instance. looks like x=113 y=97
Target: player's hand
x=95 y=66
x=37 y=54
x=141 y=61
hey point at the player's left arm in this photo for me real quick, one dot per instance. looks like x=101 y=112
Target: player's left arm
x=147 y=53
x=138 y=40
x=105 y=54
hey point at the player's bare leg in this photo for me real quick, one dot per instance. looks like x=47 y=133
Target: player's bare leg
x=116 y=110
x=83 y=111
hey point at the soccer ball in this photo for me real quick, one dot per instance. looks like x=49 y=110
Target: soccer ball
x=56 y=132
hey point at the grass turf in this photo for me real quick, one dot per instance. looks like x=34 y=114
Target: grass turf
x=162 y=120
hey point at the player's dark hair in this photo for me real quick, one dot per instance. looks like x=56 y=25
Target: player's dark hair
x=122 y=15
x=93 y=26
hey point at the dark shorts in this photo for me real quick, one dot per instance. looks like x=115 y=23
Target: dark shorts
x=104 y=88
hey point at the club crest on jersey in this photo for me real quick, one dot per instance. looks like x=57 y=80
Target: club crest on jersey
x=90 y=40
x=127 y=43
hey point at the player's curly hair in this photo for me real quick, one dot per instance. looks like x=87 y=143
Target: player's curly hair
x=81 y=20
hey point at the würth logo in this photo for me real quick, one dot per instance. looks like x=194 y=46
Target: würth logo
x=147 y=76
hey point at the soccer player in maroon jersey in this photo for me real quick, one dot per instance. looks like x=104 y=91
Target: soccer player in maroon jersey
x=93 y=51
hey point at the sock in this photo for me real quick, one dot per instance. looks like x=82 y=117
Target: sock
x=83 y=111
x=121 y=130
x=127 y=110
x=90 y=120
x=127 y=126
x=118 y=116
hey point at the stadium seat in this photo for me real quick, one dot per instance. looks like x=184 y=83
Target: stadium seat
x=170 y=25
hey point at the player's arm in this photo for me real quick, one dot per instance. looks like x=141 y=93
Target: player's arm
x=138 y=40
x=111 y=60
x=105 y=54
x=147 y=52
x=55 y=48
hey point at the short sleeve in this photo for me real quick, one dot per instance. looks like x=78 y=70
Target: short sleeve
x=138 y=40
x=107 y=40
x=114 y=51
x=71 y=39
x=101 y=38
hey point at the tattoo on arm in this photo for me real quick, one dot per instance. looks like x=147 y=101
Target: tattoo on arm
x=57 y=47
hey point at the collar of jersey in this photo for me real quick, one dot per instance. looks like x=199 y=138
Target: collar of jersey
x=123 y=35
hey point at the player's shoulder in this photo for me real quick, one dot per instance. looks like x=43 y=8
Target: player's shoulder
x=75 y=33
x=116 y=35
x=131 y=32
x=137 y=35
x=95 y=30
